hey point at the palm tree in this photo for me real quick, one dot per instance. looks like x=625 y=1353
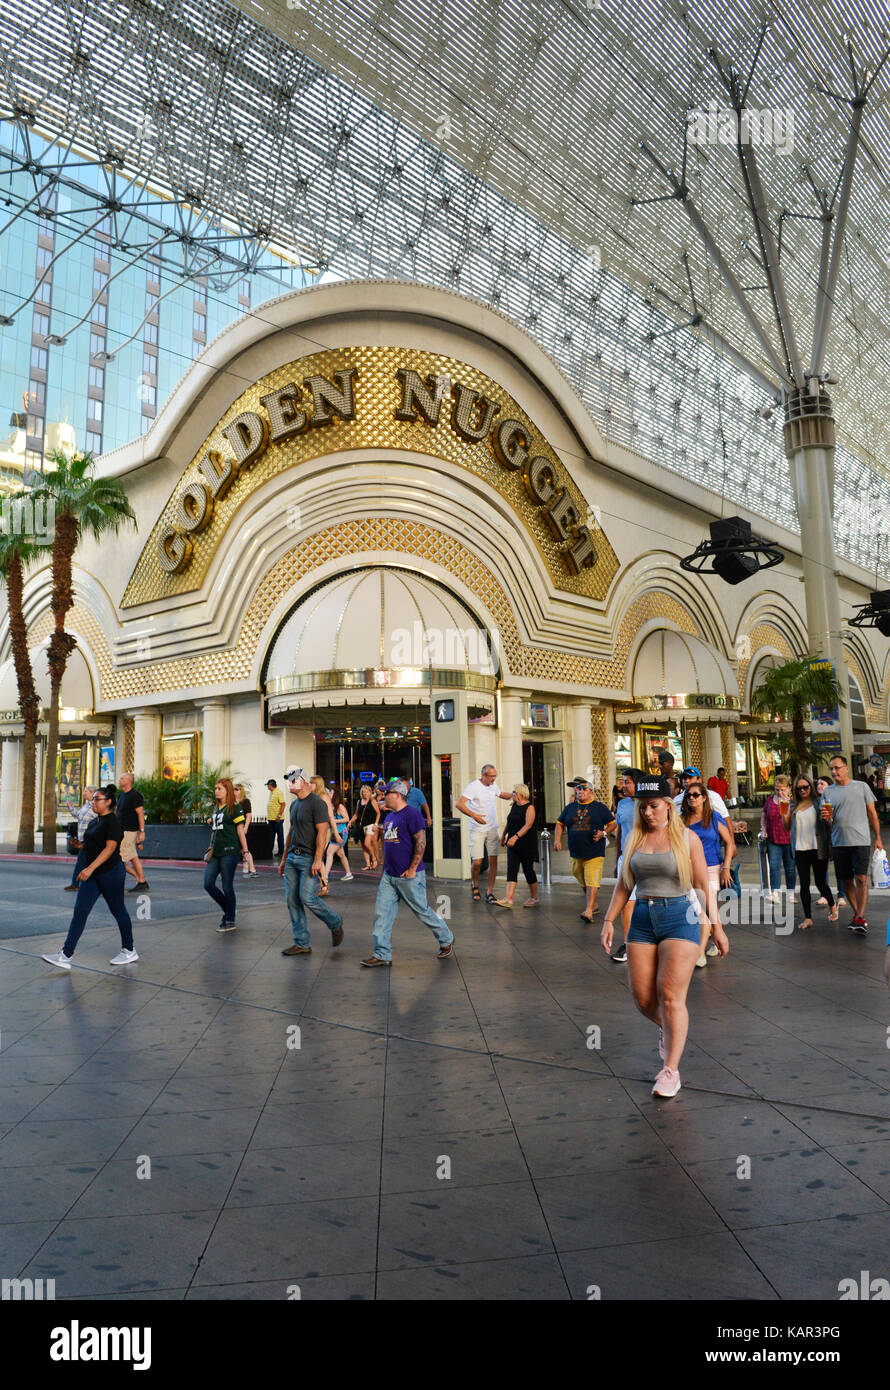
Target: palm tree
x=82 y=502
x=788 y=692
x=16 y=553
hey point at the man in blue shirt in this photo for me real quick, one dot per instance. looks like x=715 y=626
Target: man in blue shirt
x=624 y=817
x=587 y=822
x=417 y=799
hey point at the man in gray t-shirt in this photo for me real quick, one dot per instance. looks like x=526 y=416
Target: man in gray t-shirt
x=850 y=809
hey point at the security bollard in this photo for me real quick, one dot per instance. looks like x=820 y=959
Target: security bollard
x=544 y=843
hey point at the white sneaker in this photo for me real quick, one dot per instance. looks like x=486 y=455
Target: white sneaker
x=124 y=957
x=702 y=961
x=667 y=1083
x=347 y=878
x=60 y=960
x=774 y=897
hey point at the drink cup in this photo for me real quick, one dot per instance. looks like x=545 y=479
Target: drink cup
x=828 y=811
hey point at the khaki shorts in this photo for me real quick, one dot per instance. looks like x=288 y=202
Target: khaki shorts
x=484 y=837
x=128 y=845
x=589 y=872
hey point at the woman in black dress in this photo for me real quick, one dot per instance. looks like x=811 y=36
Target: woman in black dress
x=520 y=839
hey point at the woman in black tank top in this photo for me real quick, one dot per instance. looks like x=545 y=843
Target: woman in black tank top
x=521 y=840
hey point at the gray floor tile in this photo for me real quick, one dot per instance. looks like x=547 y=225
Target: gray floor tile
x=418 y=1112
x=276 y=1177
x=259 y=1244
x=20 y=1242
x=808 y=1259
x=804 y=1185
x=91 y=1100
x=413 y=1163
x=323 y=1122
x=710 y=1268
x=589 y=1146
x=870 y=1163
x=177 y=1183
x=62 y=1141
x=654 y=1201
x=335 y=1288
x=121 y=1254
x=207 y=1131
x=536 y=1278
x=44 y=1191
x=466 y=1224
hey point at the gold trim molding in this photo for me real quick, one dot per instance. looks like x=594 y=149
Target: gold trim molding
x=381 y=399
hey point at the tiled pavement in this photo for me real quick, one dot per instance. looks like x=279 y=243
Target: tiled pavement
x=444 y=1130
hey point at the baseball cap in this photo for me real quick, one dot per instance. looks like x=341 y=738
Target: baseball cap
x=400 y=788
x=271 y=782
x=691 y=772
x=294 y=774
x=579 y=782
x=651 y=786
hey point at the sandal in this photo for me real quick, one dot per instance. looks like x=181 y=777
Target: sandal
x=832 y=916
x=504 y=902
x=476 y=895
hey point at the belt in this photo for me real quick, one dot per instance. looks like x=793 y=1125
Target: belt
x=676 y=898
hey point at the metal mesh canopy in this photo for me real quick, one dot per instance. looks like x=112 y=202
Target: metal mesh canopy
x=493 y=148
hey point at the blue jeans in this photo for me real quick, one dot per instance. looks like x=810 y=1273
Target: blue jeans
x=302 y=893
x=111 y=886
x=412 y=891
x=664 y=919
x=222 y=865
x=780 y=855
x=79 y=863
x=277 y=828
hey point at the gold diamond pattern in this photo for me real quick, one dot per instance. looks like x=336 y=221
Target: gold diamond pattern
x=694 y=745
x=377 y=395
x=600 y=749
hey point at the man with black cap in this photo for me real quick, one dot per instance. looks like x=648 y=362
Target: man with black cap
x=301 y=863
x=587 y=822
x=403 y=879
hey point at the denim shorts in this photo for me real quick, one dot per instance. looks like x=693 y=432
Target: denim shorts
x=664 y=919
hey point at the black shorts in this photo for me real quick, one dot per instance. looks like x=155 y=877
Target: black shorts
x=851 y=861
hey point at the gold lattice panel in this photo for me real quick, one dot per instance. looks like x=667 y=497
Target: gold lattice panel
x=727 y=746
x=377 y=395
x=129 y=745
x=351 y=538
x=694 y=745
x=600 y=749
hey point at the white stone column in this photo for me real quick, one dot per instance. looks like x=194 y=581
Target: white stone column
x=582 y=741
x=611 y=768
x=510 y=756
x=146 y=744
x=712 y=750
x=732 y=775
x=11 y=777
x=119 y=745
x=214 y=740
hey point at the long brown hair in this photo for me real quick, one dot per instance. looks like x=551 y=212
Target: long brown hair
x=230 y=792
x=706 y=807
x=802 y=777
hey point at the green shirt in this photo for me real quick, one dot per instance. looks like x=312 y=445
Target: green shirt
x=225 y=836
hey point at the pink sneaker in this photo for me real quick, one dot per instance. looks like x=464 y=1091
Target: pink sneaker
x=667 y=1083
x=661 y=1051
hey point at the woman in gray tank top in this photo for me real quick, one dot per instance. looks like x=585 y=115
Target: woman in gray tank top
x=663 y=861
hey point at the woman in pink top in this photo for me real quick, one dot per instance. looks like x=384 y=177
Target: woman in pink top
x=776 y=821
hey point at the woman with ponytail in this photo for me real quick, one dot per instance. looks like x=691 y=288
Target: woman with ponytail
x=663 y=861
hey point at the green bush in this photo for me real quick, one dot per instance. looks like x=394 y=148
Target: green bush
x=198 y=800
x=163 y=798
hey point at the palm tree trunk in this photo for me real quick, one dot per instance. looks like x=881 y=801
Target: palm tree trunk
x=49 y=771
x=799 y=734
x=25 y=844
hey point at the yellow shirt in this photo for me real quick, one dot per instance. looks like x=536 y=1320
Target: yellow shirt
x=276 y=805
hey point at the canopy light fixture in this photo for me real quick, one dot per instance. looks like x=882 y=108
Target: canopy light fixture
x=875 y=613
x=735 y=552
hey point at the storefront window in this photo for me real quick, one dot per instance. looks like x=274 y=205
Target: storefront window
x=665 y=739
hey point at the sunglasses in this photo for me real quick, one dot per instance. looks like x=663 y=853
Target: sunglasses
x=694 y=796
x=802 y=788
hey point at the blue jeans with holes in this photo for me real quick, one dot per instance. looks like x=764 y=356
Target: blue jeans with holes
x=111 y=887
x=780 y=857
x=302 y=893
x=411 y=891
x=222 y=866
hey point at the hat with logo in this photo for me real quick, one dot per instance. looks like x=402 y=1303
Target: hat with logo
x=295 y=774
x=691 y=772
x=400 y=788
x=650 y=786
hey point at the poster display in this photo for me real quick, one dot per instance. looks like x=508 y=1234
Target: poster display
x=177 y=757
x=70 y=772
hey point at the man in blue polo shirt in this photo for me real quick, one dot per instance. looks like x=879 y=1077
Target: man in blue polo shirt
x=624 y=817
x=403 y=878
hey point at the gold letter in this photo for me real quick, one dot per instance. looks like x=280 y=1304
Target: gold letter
x=220 y=473
x=174 y=551
x=329 y=400
x=195 y=507
x=284 y=412
x=465 y=402
x=561 y=516
x=419 y=394
x=247 y=435
x=511 y=443
x=581 y=554
x=539 y=477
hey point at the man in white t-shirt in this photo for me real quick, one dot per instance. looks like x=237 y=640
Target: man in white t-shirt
x=692 y=774
x=479 y=802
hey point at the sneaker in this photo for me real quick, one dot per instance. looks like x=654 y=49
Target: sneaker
x=337 y=935
x=445 y=951
x=661 y=1051
x=620 y=955
x=253 y=874
x=712 y=949
x=667 y=1083
x=774 y=897
x=702 y=962
x=375 y=960
x=70 y=887
x=124 y=957
x=226 y=926
x=859 y=926
x=139 y=887
x=297 y=951
x=347 y=878
x=60 y=959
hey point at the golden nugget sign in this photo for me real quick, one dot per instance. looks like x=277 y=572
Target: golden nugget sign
x=318 y=401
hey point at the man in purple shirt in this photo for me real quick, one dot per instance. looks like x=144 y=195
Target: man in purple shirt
x=403 y=878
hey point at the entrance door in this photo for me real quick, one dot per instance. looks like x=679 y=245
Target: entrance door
x=354 y=760
x=533 y=776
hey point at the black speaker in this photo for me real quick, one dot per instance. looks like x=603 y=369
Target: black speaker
x=730 y=528
x=880 y=602
x=733 y=566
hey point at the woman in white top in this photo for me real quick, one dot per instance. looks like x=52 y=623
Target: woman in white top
x=811 y=847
